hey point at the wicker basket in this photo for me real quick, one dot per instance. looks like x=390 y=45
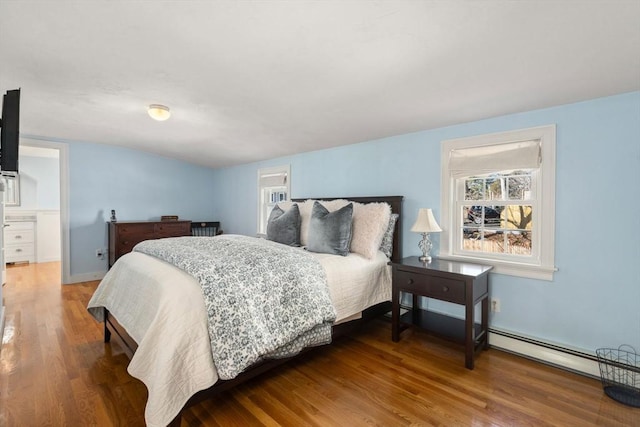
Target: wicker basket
x=620 y=374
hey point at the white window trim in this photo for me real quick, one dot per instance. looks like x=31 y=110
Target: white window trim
x=268 y=171
x=544 y=268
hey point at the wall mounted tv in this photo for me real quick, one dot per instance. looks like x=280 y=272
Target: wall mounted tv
x=10 y=132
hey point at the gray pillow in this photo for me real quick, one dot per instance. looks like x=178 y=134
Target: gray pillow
x=387 y=240
x=330 y=232
x=284 y=227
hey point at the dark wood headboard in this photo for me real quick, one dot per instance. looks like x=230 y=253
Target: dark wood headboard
x=396 y=207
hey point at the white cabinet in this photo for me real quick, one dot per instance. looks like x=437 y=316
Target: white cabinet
x=19 y=238
x=19 y=242
x=31 y=236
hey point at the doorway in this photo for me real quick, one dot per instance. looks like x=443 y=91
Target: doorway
x=43 y=193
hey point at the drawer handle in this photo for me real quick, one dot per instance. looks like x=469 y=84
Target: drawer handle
x=445 y=289
x=18 y=250
x=410 y=282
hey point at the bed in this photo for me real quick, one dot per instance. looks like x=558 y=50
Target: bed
x=147 y=304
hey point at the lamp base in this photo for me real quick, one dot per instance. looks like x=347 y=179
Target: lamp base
x=425 y=247
x=425 y=259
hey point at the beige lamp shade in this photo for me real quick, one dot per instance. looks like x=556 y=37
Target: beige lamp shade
x=159 y=112
x=426 y=223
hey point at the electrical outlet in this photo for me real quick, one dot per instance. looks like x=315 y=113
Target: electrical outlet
x=495 y=305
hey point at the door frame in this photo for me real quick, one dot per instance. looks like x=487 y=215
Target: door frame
x=63 y=159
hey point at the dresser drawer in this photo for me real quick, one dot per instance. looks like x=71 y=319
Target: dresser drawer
x=172 y=229
x=19 y=225
x=142 y=230
x=19 y=253
x=430 y=286
x=18 y=236
x=123 y=236
x=126 y=246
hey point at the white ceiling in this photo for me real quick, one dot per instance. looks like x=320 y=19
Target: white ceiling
x=252 y=80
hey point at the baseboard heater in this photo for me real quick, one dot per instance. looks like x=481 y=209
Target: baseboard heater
x=551 y=354
x=540 y=351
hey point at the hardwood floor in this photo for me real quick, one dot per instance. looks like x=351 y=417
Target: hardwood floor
x=56 y=371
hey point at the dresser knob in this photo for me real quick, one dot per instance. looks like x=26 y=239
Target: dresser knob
x=410 y=282
x=18 y=237
x=445 y=289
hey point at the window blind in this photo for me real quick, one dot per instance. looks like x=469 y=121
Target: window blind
x=493 y=158
x=273 y=180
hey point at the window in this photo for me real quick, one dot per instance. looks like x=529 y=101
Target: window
x=11 y=189
x=274 y=186
x=498 y=201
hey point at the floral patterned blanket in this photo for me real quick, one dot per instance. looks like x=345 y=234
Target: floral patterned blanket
x=263 y=299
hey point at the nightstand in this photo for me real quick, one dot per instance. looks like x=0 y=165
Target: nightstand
x=456 y=282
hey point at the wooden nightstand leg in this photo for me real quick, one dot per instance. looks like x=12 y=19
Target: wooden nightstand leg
x=469 y=345
x=395 y=316
x=485 y=322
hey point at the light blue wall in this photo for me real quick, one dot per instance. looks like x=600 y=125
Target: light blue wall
x=39 y=183
x=594 y=299
x=138 y=185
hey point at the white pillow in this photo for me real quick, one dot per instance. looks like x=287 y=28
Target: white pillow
x=285 y=206
x=370 y=222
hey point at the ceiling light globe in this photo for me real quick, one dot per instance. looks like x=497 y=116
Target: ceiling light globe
x=159 y=112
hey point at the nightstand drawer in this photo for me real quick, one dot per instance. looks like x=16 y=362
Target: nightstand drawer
x=429 y=286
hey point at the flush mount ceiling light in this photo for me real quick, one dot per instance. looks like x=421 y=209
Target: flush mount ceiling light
x=159 y=112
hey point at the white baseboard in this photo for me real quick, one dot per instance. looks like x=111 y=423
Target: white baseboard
x=551 y=354
x=85 y=277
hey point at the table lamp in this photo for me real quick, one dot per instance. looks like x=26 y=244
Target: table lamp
x=425 y=224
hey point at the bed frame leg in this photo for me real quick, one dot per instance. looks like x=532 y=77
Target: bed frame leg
x=107 y=332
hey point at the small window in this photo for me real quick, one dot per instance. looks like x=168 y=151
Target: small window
x=498 y=201
x=274 y=185
x=11 y=189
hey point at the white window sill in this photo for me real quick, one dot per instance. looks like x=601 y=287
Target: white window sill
x=528 y=271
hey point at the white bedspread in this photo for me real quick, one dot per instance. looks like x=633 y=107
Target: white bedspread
x=356 y=283
x=162 y=308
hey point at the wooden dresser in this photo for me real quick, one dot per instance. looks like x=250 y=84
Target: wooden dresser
x=124 y=235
